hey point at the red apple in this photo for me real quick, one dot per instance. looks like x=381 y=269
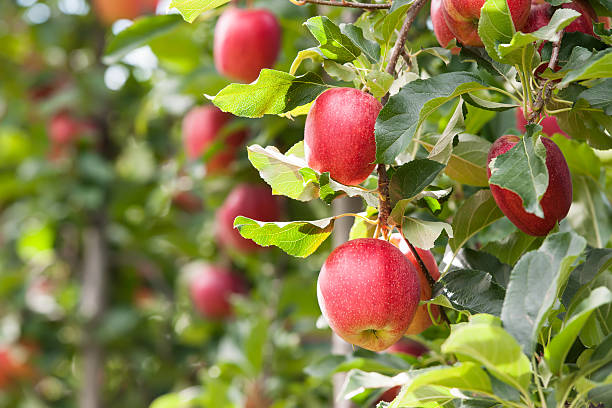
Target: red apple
x=109 y=11
x=63 y=128
x=368 y=292
x=441 y=30
x=211 y=290
x=549 y=124
x=246 y=41
x=339 y=134
x=408 y=346
x=14 y=364
x=252 y=201
x=462 y=17
x=202 y=127
x=188 y=202
x=584 y=23
x=389 y=395
x=556 y=201
x=539 y=16
x=421 y=320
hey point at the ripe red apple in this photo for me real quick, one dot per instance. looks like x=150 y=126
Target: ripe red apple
x=408 y=346
x=246 y=41
x=368 y=292
x=556 y=201
x=202 y=127
x=421 y=320
x=252 y=201
x=549 y=124
x=441 y=30
x=188 y=202
x=462 y=17
x=389 y=395
x=63 y=128
x=14 y=364
x=541 y=14
x=109 y=11
x=211 y=290
x=339 y=134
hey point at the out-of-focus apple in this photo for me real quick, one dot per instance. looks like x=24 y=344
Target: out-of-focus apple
x=109 y=11
x=211 y=290
x=63 y=128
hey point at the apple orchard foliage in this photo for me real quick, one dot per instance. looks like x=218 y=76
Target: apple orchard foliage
x=520 y=320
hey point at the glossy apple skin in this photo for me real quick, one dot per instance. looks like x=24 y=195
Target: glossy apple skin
x=368 y=292
x=202 y=127
x=109 y=11
x=252 y=201
x=441 y=30
x=462 y=18
x=211 y=290
x=549 y=124
x=421 y=320
x=246 y=41
x=339 y=134
x=63 y=128
x=556 y=201
x=541 y=14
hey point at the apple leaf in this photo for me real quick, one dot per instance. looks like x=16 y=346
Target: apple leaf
x=580 y=157
x=477 y=212
x=392 y=20
x=495 y=26
x=369 y=48
x=523 y=170
x=471 y=290
x=511 y=248
x=357 y=381
x=423 y=234
x=331 y=189
x=287 y=174
x=442 y=150
x=362 y=228
x=594 y=127
x=404 y=113
x=597 y=260
x=411 y=178
x=191 y=9
x=535 y=284
x=561 y=19
x=273 y=93
x=598 y=325
x=297 y=238
x=332 y=43
x=591 y=212
x=584 y=64
x=384 y=363
x=138 y=34
x=599 y=96
x=556 y=351
x=491 y=346
x=310 y=53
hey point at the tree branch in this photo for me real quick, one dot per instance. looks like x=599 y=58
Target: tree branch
x=343 y=3
x=413 y=11
x=546 y=93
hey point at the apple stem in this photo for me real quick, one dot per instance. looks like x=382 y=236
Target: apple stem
x=343 y=3
x=546 y=93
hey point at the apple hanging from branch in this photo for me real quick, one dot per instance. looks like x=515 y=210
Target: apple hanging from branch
x=211 y=289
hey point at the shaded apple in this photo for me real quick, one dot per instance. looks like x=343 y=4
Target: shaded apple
x=368 y=292
x=421 y=320
x=549 y=124
x=539 y=16
x=109 y=11
x=211 y=289
x=63 y=128
x=462 y=18
x=441 y=30
x=188 y=202
x=389 y=395
x=408 y=346
x=339 y=134
x=541 y=13
x=203 y=129
x=252 y=201
x=556 y=201
x=246 y=41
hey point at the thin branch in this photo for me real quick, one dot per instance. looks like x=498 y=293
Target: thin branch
x=403 y=35
x=384 y=202
x=546 y=93
x=343 y=3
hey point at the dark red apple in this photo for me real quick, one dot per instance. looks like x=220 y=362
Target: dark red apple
x=421 y=320
x=441 y=30
x=202 y=127
x=584 y=23
x=109 y=11
x=409 y=347
x=539 y=17
x=389 y=395
x=63 y=128
x=339 y=134
x=252 y=201
x=211 y=290
x=462 y=17
x=549 y=124
x=368 y=292
x=188 y=202
x=246 y=41
x=556 y=201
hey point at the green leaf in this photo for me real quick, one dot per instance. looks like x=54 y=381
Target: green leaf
x=478 y=211
x=597 y=260
x=332 y=43
x=443 y=148
x=383 y=363
x=599 y=96
x=584 y=64
x=378 y=82
x=471 y=290
x=522 y=170
x=311 y=53
x=273 y=93
x=393 y=19
x=297 y=238
x=412 y=178
x=556 y=352
x=404 y=113
x=591 y=212
x=594 y=127
x=287 y=174
x=599 y=325
x=344 y=73
x=535 y=285
x=364 y=229
x=492 y=347
x=369 y=48
x=511 y=248
x=423 y=234
x=580 y=157
x=191 y=9
x=330 y=189
x=495 y=26
x=466 y=376
x=138 y=34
